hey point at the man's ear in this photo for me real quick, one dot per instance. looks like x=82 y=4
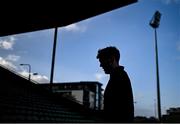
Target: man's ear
x=114 y=61
x=111 y=59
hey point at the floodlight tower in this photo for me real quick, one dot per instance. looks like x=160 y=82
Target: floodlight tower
x=29 y=67
x=154 y=23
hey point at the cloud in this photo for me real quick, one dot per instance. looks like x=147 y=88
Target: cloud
x=139 y=95
x=167 y=2
x=8 y=43
x=75 y=28
x=140 y=111
x=13 y=58
x=40 y=78
x=99 y=76
x=37 y=78
x=7 y=63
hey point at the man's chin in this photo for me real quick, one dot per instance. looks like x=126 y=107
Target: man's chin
x=106 y=72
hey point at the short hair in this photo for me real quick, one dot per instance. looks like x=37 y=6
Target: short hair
x=109 y=52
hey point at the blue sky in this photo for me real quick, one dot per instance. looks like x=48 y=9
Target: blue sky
x=128 y=29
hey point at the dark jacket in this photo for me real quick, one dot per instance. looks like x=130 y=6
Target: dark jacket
x=118 y=97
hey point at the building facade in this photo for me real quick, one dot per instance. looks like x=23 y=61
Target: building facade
x=173 y=111
x=87 y=93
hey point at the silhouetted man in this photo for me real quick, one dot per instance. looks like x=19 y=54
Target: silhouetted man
x=118 y=96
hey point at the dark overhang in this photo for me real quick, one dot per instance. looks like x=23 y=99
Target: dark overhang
x=28 y=16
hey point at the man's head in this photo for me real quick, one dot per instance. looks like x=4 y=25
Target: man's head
x=109 y=58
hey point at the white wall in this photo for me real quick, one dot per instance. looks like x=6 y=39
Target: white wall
x=78 y=94
x=91 y=99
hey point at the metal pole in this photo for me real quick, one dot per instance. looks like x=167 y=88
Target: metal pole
x=29 y=68
x=29 y=72
x=157 y=77
x=155 y=108
x=53 y=58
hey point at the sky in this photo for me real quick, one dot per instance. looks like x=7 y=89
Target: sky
x=128 y=29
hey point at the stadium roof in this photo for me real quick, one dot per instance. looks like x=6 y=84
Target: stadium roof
x=28 y=16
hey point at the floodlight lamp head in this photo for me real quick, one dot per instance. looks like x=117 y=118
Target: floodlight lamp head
x=155 y=21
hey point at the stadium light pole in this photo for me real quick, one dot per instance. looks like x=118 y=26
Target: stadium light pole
x=29 y=66
x=154 y=23
x=53 y=57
